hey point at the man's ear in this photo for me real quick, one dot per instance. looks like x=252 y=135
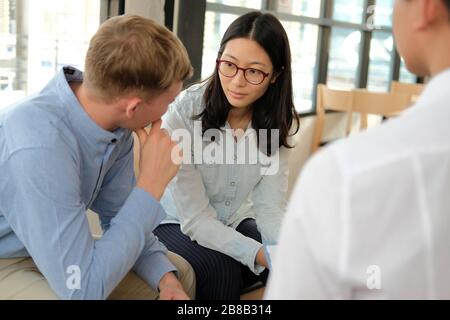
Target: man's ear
x=131 y=105
x=427 y=13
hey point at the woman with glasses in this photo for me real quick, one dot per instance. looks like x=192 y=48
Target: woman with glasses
x=223 y=207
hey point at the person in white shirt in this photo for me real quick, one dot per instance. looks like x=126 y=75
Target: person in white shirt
x=370 y=215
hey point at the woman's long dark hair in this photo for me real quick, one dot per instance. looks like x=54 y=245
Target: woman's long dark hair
x=275 y=109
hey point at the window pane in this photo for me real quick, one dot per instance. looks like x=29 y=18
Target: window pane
x=405 y=75
x=303 y=42
x=344 y=58
x=215 y=26
x=57 y=34
x=309 y=8
x=348 y=10
x=380 y=61
x=382 y=12
x=8 y=46
x=254 y=4
x=53 y=39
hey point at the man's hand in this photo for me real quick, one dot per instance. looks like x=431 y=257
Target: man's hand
x=171 y=289
x=156 y=167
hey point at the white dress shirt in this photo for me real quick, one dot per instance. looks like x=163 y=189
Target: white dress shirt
x=370 y=216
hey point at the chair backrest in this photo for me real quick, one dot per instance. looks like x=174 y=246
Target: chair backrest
x=378 y=103
x=413 y=89
x=329 y=99
x=358 y=100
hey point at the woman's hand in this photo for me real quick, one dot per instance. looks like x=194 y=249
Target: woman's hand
x=261 y=258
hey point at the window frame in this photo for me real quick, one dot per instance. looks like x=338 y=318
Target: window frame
x=191 y=32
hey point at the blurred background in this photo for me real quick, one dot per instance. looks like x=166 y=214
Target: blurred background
x=344 y=43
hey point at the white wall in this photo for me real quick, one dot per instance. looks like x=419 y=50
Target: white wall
x=153 y=9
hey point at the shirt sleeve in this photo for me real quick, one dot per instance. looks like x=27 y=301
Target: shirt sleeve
x=117 y=185
x=198 y=219
x=313 y=242
x=45 y=211
x=270 y=198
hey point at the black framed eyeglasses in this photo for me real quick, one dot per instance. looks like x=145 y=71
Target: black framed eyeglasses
x=229 y=69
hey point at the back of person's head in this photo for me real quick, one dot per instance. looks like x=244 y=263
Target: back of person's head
x=422 y=30
x=275 y=109
x=130 y=54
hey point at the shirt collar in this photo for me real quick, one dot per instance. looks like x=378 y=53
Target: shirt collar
x=80 y=121
x=435 y=90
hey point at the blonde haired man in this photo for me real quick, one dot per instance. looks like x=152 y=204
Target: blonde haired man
x=370 y=217
x=70 y=148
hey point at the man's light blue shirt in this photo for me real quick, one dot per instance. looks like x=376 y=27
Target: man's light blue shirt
x=55 y=163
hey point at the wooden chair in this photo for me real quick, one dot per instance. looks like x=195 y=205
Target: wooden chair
x=358 y=100
x=329 y=99
x=379 y=103
x=413 y=89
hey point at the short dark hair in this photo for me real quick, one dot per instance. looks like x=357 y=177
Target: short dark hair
x=447 y=3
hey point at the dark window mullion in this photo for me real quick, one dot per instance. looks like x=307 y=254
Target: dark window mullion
x=364 y=49
x=395 y=65
x=267 y=5
x=191 y=28
x=323 y=50
x=169 y=8
x=121 y=7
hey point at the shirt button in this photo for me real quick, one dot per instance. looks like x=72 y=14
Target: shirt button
x=233 y=184
x=227 y=203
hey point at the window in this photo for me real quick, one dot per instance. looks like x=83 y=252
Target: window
x=303 y=42
x=215 y=26
x=344 y=58
x=348 y=10
x=382 y=12
x=344 y=43
x=310 y=8
x=42 y=37
x=254 y=4
x=303 y=39
x=405 y=75
x=381 y=50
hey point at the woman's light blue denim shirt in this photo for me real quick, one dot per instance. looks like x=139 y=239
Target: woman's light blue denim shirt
x=210 y=200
